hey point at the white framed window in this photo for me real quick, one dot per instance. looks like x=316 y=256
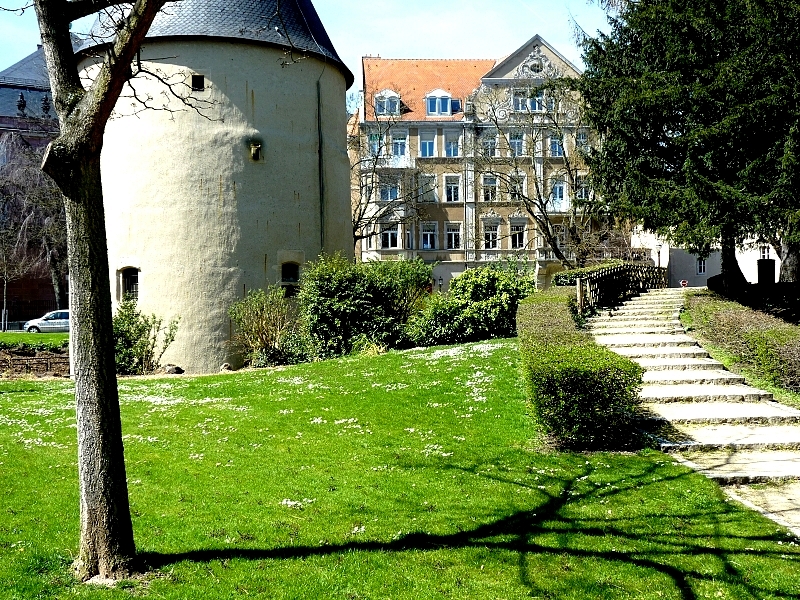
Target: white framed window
x=389 y=189
x=375 y=143
x=427 y=144
x=399 y=143
x=763 y=252
x=390 y=235
x=581 y=187
x=557 y=200
x=561 y=235
x=438 y=102
x=453 y=236
x=516 y=187
x=556 y=146
x=701 y=266
x=451 y=144
x=452 y=188
x=537 y=102
x=491 y=236
x=582 y=140
x=525 y=101
x=428 y=234
x=489 y=146
x=517 y=236
x=520 y=100
x=387 y=103
x=489 y=186
x=516 y=143
x=427 y=188
x=367 y=188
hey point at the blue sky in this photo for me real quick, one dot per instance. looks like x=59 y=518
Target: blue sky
x=400 y=29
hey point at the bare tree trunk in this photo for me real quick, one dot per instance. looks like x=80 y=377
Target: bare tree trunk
x=106 y=547
x=790 y=262
x=5 y=304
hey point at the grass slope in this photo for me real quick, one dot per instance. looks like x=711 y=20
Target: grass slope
x=412 y=475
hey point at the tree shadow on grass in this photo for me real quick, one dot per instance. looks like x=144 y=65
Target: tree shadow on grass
x=690 y=548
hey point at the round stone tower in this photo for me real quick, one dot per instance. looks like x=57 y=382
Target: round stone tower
x=226 y=168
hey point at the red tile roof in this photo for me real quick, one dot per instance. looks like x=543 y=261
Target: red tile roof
x=412 y=78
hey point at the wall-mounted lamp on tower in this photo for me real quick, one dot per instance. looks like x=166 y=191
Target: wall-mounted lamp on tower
x=658 y=253
x=441 y=283
x=255 y=151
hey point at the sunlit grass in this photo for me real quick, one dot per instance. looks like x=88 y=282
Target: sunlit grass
x=14 y=338
x=410 y=475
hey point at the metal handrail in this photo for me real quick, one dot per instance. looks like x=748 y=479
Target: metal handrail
x=613 y=285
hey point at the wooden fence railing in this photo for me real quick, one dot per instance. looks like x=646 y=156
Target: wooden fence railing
x=611 y=286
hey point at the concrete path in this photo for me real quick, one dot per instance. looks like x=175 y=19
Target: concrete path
x=709 y=417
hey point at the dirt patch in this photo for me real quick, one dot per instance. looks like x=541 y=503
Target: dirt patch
x=42 y=364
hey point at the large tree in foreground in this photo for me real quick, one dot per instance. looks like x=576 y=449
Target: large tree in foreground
x=694 y=103
x=73 y=161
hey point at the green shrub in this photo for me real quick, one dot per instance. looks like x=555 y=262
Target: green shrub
x=267 y=328
x=136 y=339
x=341 y=301
x=764 y=344
x=480 y=304
x=583 y=395
x=565 y=278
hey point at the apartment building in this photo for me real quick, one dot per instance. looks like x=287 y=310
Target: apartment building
x=464 y=162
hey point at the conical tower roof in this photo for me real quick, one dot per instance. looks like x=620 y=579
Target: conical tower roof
x=290 y=24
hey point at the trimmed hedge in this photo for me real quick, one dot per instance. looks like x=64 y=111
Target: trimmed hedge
x=565 y=278
x=583 y=395
x=765 y=345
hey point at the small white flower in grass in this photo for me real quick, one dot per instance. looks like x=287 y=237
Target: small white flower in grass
x=435 y=449
x=409 y=429
x=285 y=411
x=342 y=421
x=357 y=529
x=318 y=420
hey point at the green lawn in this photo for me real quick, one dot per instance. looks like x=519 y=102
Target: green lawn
x=14 y=338
x=411 y=475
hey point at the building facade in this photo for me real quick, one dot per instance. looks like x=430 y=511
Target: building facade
x=465 y=162
x=227 y=171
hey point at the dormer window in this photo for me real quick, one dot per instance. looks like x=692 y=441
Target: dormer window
x=387 y=103
x=439 y=102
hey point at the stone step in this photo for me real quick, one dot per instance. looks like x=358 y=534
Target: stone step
x=692 y=376
x=650 y=303
x=734 y=437
x=680 y=363
x=640 y=312
x=745 y=466
x=645 y=319
x=635 y=329
x=707 y=413
x=646 y=339
x=658 y=352
x=687 y=392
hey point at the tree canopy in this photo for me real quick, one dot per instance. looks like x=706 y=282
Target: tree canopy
x=696 y=106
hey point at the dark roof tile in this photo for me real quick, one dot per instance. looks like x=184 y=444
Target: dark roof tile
x=295 y=25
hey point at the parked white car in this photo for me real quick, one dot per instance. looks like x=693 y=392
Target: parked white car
x=57 y=320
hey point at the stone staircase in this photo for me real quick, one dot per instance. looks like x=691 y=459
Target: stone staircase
x=724 y=428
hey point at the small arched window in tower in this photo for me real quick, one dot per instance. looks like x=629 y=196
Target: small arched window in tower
x=290 y=278
x=130 y=283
